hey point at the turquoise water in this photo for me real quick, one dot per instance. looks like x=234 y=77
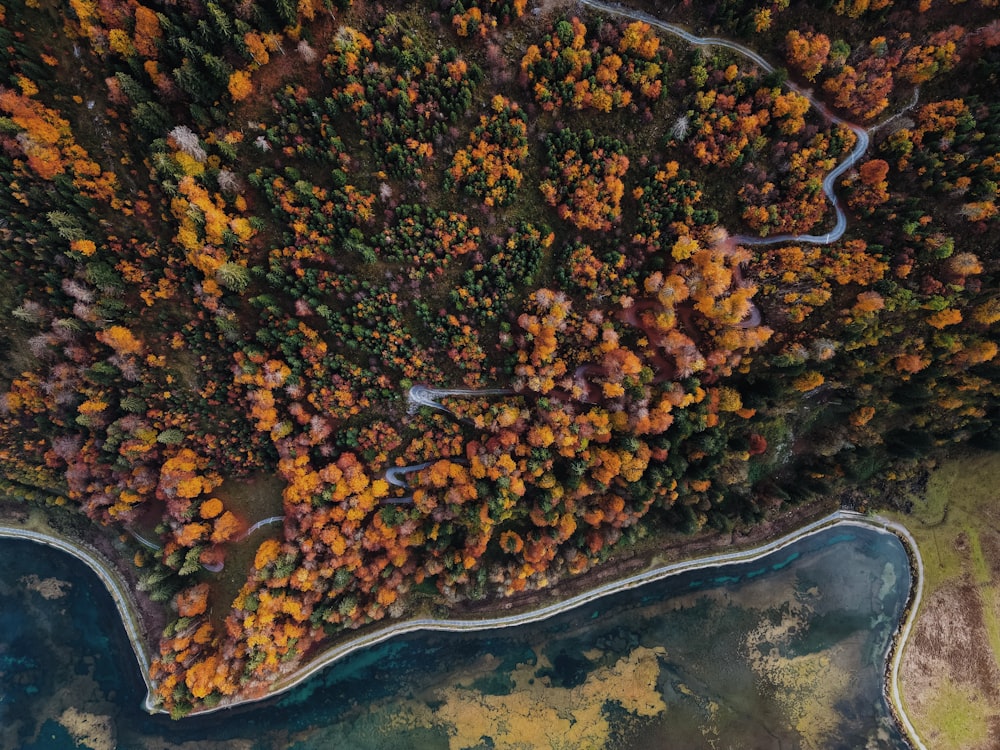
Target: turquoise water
x=785 y=652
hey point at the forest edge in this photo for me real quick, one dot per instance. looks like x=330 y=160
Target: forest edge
x=655 y=570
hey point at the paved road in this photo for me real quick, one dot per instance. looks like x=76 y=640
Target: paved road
x=422 y=395
x=862 y=135
x=753 y=318
x=260 y=524
x=394 y=476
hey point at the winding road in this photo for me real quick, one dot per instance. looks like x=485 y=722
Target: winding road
x=425 y=396
x=210 y=567
x=860 y=146
x=260 y=524
x=394 y=475
x=422 y=395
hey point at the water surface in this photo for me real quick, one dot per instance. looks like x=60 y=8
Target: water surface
x=784 y=652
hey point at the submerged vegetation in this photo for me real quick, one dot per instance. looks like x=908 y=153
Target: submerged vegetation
x=234 y=234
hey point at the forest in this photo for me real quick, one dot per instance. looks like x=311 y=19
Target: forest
x=235 y=233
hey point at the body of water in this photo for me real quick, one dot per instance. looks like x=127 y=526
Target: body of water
x=784 y=652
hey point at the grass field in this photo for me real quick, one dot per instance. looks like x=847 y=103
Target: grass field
x=252 y=501
x=950 y=677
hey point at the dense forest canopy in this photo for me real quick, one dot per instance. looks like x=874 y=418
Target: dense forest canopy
x=235 y=233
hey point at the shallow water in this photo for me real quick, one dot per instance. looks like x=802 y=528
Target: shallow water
x=786 y=652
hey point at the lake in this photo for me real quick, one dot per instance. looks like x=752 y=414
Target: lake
x=784 y=652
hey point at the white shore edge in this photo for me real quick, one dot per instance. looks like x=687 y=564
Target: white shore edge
x=127 y=608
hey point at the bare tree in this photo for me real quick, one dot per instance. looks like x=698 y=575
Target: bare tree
x=308 y=53
x=187 y=141
x=680 y=129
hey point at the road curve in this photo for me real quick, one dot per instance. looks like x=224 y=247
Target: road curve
x=394 y=475
x=422 y=395
x=145 y=542
x=903 y=634
x=753 y=318
x=862 y=136
x=260 y=524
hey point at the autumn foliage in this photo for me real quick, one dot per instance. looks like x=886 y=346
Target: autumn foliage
x=588 y=189
x=233 y=237
x=489 y=167
x=567 y=70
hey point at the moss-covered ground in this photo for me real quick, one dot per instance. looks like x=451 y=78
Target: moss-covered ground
x=952 y=661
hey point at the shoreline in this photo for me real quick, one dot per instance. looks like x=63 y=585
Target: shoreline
x=129 y=610
x=114 y=583
x=897 y=646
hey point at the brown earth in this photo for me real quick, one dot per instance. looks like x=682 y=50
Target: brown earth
x=950 y=671
x=948 y=651
x=949 y=637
